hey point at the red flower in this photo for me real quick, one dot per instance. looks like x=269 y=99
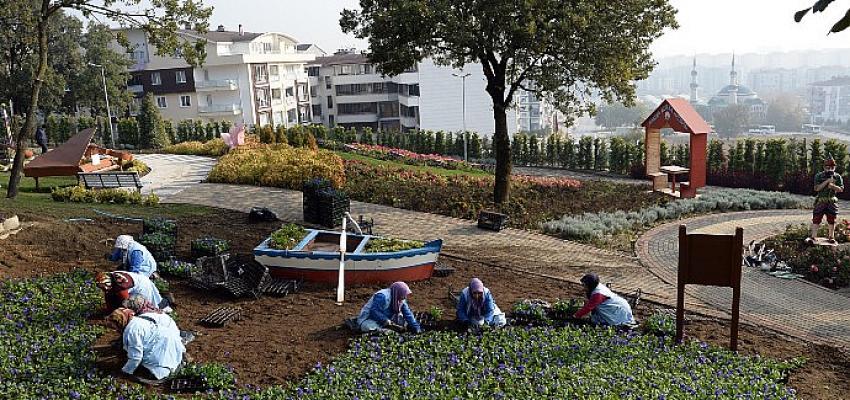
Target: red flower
x=814 y=268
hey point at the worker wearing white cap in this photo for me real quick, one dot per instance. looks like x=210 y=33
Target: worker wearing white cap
x=134 y=257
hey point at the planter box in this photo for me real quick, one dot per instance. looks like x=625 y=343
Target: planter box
x=492 y=220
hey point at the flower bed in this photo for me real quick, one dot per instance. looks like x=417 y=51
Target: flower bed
x=591 y=225
x=287 y=237
x=533 y=199
x=79 y=194
x=564 y=363
x=278 y=166
x=819 y=264
x=407 y=157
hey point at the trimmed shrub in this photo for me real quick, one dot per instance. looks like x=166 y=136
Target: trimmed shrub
x=79 y=194
x=212 y=148
x=278 y=166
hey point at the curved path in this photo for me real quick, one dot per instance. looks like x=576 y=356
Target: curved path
x=170 y=174
x=795 y=307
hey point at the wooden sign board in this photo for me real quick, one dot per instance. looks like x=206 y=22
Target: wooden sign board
x=711 y=260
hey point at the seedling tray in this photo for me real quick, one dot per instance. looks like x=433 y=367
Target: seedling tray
x=187 y=386
x=222 y=316
x=442 y=271
x=279 y=287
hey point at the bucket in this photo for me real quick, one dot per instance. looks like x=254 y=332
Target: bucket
x=95 y=159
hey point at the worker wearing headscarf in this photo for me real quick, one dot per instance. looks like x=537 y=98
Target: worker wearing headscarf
x=388 y=310
x=476 y=306
x=605 y=307
x=151 y=340
x=140 y=305
x=119 y=286
x=133 y=256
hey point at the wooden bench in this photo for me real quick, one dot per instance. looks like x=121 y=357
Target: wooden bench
x=110 y=180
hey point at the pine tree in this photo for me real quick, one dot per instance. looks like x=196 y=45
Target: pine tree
x=533 y=150
x=600 y=155
x=715 y=156
x=151 y=132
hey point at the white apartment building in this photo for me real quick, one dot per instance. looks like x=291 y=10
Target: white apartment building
x=830 y=100
x=346 y=90
x=253 y=78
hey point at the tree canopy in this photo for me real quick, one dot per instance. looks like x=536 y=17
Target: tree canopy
x=614 y=115
x=786 y=112
x=566 y=52
x=732 y=119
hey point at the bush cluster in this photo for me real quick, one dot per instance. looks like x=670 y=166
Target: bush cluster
x=79 y=194
x=278 y=166
x=211 y=148
x=589 y=226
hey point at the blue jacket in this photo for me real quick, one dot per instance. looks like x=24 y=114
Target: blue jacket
x=40 y=136
x=464 y=307
x=378 y=309
x=153 y=341
x=137 y=259
x=612 y=312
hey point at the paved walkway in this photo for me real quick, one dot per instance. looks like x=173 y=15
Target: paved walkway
x=170 y=173
x=795 y=307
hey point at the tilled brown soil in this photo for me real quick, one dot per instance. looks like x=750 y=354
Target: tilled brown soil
x=282 y=338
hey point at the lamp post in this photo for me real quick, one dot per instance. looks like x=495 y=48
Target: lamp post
x=106 y=96
x=463 y=78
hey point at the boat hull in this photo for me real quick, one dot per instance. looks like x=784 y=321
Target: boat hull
x=360 y=268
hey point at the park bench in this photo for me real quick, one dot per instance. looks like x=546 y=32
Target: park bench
x=110 y=180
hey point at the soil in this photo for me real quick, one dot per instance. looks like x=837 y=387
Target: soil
x=280 y=339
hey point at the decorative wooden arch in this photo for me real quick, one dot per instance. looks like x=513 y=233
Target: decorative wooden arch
x=679 y=115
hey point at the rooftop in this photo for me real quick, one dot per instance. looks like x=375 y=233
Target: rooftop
x=224 y=36
x=835 y=81
x=347 y=58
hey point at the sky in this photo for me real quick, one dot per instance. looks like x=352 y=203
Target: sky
x=706 y=26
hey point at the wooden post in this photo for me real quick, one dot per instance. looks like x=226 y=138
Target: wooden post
x=736 y=288
x=652 y=144
x=680 y=286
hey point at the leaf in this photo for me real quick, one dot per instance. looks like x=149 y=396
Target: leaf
x=841 y=24
x=798 y=16
x=821 y=5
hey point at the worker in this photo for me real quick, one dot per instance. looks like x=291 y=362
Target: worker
x=828 y=184
x=605 y=307
x=476 y=307
x=387 y=310
x=134 y=257
x=120 y=285
x=152 y=342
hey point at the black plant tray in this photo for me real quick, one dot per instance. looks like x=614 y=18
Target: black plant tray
x=442 y=271
x=279 y=287
x=492 y=220
x=221 y=316
x=187 y=386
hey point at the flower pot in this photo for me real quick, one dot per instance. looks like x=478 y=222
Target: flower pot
x=28 y=154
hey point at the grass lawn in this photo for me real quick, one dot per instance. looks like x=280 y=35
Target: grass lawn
x=419 y=168
x=30 y=201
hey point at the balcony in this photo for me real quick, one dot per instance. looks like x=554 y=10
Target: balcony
x=216 y=85
x=136 y=88
x=220 y=109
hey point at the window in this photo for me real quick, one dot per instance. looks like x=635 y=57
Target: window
x=273 y=70
x=209 y=100
x=155 y=78
x=331 y=121
x=414 y=90
x=292 y=115
x=312 y=91
x=345 y=70
x=261 y=73
x=330 y=102
x=161 y=102
x=357 y=108
x=290 y=92
x=181 y=76
x=276 y=94
x=328 y=84
x=313 y=71
x=317 y=110
x=262 y=97
x=185 y=101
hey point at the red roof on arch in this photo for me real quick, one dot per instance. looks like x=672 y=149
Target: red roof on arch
x=679 y=115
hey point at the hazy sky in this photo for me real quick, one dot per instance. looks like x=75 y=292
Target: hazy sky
x=706 y=26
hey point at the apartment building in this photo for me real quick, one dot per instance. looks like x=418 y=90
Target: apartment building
x=830 y=100
x=253 y=78
x=348 y=91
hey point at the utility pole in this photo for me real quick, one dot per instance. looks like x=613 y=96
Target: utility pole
x=106 y=96
x=463 y=78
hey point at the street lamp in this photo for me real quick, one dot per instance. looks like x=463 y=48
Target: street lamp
x=106 y=96
x=463 y=78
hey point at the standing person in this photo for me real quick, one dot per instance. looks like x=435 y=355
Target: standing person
x=605 y=307
x=134 y=257
x=476 y=306
x=41 y=138
x=152 y=342
x=828 y=184
x=119 y=286
x=387 y=310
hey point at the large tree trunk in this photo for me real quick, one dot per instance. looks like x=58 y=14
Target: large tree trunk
x=28 y=130
x=502 y=146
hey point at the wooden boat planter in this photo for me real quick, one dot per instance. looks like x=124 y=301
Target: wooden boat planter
x=316 y=259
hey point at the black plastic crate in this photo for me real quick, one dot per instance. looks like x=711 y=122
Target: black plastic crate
x=209 y=247
x=492 y=220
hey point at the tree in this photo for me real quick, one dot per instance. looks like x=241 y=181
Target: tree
x=151 y=129
x=564 y=51
x=715 y=156
x=614 y=115
x=32 y=19
x=87 y=88
x=731 y=120
x=786 y=113
x=819 y=6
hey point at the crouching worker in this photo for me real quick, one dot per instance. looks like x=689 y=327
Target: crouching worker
x=152 y=342
x=133 y=256
x=387 y=310
x=119 y=286
x=476 y=307
x=605 y=307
